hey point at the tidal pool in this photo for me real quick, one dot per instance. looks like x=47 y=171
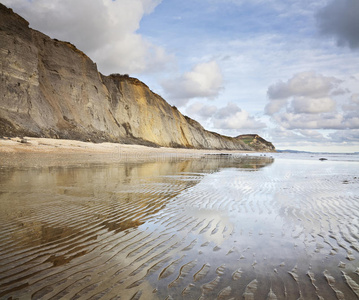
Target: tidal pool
x=210 y=227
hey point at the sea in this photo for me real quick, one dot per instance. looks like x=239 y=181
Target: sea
x=237 y=226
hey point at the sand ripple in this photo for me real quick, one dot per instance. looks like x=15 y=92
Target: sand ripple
x=209 y=228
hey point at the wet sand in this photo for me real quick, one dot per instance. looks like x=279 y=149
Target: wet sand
x=203 y=227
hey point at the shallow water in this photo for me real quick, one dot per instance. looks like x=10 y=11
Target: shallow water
x=216 y=227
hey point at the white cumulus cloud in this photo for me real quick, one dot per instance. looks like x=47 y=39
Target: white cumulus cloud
x=313 y=105
x=203 y=81
x=304 y=84
x=238 y=120
x=313 y=101
x=104 y=29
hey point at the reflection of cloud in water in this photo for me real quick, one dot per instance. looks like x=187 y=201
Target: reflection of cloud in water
x=200 y=227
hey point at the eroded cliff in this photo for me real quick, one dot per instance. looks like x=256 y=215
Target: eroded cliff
x=49 y=88
x=256 y=142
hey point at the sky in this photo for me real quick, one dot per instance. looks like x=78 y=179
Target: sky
x=286 y=70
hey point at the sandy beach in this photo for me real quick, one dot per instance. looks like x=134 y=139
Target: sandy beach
x=78 y=224
x=47 y=145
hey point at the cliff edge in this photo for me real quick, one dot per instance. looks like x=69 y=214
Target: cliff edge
x=49 y=88
x=256 y=142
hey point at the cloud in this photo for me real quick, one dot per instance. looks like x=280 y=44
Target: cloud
x=341 y=119
x=312 y=134
x=104 y=29
x=312 y=121
x=303 y=84
x=298 y=105
x=202 y=110
x=313 y=105
x=313 y=101
x=353 y=103
x=305 y=92
x=203 y=81
x=339 y=18
x=238 y=120
x=345 y=136
x=313 y=140
x=284 y=138
x=228 y=117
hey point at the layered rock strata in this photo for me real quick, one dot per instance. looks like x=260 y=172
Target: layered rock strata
x=49 y=88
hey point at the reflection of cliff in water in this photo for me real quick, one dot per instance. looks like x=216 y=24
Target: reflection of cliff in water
x=250 y=163
x=177 y=228
x=42 y=201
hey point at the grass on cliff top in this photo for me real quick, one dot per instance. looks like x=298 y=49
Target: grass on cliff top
x=247 y=140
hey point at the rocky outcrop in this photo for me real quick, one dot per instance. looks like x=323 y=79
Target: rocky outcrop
x=49 y=88
x=256 y=142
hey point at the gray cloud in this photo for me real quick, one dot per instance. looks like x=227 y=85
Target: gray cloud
x=203 y=81
x=230 y=110
x=339 y=18
x=345 y=136
x=352 y=104
x=233 y=117
x=312 y=134
x=308 y=101
x=313 y=140
x=292 y=139
x=311 y=121
x=228 y=117
x=336 y=120
x=312 y=105
x=239 y=120
x=305 y=92
x=202 y=110
x=308 y=84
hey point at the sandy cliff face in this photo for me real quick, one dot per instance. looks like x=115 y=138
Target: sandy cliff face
x=49 y=88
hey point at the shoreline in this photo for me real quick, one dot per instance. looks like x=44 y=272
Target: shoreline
x=62 y=146
x=225 y=215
